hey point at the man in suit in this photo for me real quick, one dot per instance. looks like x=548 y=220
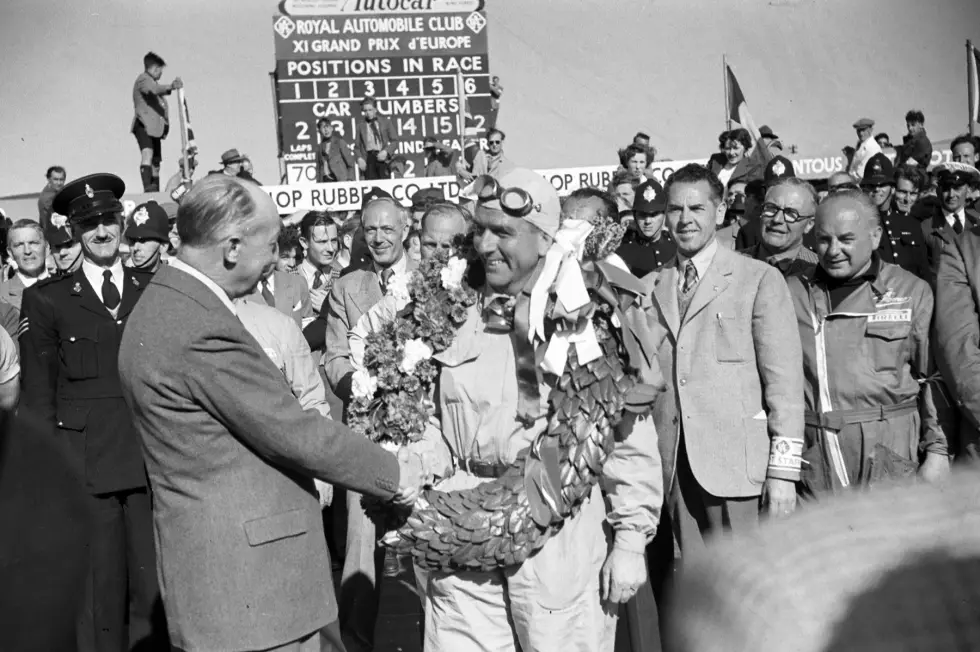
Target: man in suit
x=385 y=228
x=151 y=121
x=376 y=142
x=731 y=420
x=28 y=249
x=952 y=217
x=230 y=452
x=285 y=292
x=73 y=325
x=334 y=161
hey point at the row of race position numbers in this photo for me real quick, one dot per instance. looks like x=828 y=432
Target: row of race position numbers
x=311 y=90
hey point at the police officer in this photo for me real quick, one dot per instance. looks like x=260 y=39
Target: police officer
x=74 y=325
x=148 y=234
x=65 y=249
x=949 y=216
x=647 y=246
x=902 y=242
x=864 y=324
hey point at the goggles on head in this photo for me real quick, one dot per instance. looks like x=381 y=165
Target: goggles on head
x=516 y=202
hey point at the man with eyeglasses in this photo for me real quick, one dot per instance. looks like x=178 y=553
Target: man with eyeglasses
x=864 y=325
x=902 y=243
x=787 y=215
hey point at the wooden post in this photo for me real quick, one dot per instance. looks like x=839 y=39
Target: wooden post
x=461 y=113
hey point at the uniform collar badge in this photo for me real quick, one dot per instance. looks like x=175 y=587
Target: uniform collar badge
x=77 y=288
x=136 y=282
x=89 y=192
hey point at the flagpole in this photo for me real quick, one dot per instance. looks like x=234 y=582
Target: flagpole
x=724 y=70
x=971 y=90
x=184 y=173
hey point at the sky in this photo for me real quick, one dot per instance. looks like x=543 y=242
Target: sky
x=580 y=76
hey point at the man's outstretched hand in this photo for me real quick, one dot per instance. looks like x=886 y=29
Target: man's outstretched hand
x=411 y=478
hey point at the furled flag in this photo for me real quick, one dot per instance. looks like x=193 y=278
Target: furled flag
x=973 y=68
x=191 y=145
x=738 y=111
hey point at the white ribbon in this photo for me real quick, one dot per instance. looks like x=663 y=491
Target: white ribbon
x=561 y=273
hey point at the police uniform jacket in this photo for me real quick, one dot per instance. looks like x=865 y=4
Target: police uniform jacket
x=643 y=255
x=903 y=244
x=870 y=352
x=70 y=376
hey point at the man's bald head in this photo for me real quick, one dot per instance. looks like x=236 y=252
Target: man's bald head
x=841 y=181
x=848 y=231
x=443 y=227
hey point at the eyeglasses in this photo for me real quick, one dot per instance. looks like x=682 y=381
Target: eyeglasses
x=791 y=215
x=513 y=201
x=495 y=142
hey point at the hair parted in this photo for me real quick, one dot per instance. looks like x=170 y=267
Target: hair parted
x=314 y=219
x=53 y=169
x=695 y=173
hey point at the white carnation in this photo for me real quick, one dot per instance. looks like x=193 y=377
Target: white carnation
x=452 y=273
x=415 y=352
x=363 y=385
x=398 y=290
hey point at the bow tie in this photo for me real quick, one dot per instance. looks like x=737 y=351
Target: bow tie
x=499 y=314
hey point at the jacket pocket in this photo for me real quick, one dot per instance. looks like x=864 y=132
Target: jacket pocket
x=887 y=344
x=728 y=345
x=72 y=417
x=278 y=526
x=757 y=444
x=80 y=353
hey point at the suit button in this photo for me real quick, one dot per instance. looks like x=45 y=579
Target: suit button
x=119 y=321
x=71 y=339
x=61 y=423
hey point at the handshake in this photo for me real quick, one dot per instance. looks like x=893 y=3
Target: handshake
x=412 y=477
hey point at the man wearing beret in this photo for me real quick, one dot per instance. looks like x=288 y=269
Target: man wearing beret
x=148 y=235
x=564 y=596
x=866 y=148
x=902 y=243
x=646 y=245
x=74 y=323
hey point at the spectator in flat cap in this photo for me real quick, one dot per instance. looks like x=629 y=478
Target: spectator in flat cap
x=901 y=241
x=147 y=233
x=916 y=149
x=866 y=148
x=65 y=248
x=440 y=158
x=28 y=250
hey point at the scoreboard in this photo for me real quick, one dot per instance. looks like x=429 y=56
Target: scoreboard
x=407 y=54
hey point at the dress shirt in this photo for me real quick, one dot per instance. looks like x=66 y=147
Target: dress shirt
x=177 y=263
x=93 y=273
x=702 y=260
x=28 y=281
x=958 y=216
x=399 y=269
x=308 y=271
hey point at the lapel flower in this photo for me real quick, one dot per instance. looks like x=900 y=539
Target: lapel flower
x=415 y=352
x=452 y=273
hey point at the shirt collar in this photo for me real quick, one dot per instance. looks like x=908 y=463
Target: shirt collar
x=270 y=282
x=94 y=273
x=28 y=281
x=958 y=216
x=701 y=260
x=177 y=263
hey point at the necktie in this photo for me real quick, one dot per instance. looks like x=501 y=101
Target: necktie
x=110 y=293
x=386 y=275
x=318 y=280
x=957 y=225
x=690 y=277
x=267 y=295
x=377 y=133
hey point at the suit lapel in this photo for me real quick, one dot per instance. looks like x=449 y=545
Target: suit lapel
x=368 y=291
x=715 y=281
x=283 y=296
x=665 y=294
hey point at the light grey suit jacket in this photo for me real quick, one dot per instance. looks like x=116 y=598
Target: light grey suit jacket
x=351 y=296
x=734 y=372
x=241 y=556
x=12 y=291
x=150 y=105
x=291 y=295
